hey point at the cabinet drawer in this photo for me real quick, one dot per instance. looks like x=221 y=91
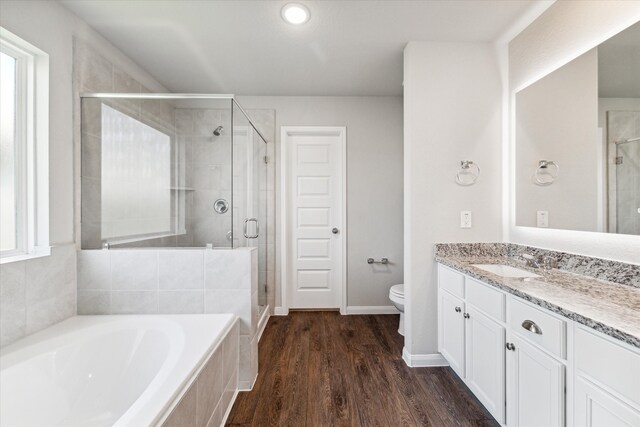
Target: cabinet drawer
x=551 y=333
x=451 y=280
x=487 y=299
x=608 y=363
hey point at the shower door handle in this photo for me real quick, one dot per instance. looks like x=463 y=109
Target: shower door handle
x=246 y=225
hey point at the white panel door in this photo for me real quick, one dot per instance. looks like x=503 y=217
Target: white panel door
x=535 y=387
x=595 y=407
x=451 y=330
x=315 y=220
x=485 y=361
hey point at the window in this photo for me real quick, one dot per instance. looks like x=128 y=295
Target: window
x=24 y=170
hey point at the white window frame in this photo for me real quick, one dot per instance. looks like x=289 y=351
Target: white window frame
x=32 y=148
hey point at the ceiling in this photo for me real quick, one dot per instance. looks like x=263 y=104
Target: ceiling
x=244 y=47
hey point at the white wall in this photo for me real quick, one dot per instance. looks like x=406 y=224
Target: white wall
x=40 y=292
x=452 y=111
x=374 y=182
x=556 y=120
x=563 y=32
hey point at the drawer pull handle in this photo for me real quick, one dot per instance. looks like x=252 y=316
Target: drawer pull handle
x=510 y=346
x=531 y=326
x=466 y=315
x=458 y=309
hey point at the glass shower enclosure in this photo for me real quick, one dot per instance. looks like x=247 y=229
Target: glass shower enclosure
x=169 y=170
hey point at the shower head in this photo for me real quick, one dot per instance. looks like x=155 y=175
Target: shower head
x=218 y=131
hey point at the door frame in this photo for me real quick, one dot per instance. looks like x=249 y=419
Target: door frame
x=286 y=133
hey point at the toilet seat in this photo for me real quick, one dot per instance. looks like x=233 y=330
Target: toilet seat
x=397 y=291
x=396 y=295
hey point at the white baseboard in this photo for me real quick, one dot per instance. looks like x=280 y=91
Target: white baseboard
x=374 y=309
x=356 y=309
x=280 y=311
x=262 y=323
x=423 y=360
x=228 y=412
x=247 y=385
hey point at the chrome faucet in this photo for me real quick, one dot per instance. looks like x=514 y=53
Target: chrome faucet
x=531 y=261
x=545 y=262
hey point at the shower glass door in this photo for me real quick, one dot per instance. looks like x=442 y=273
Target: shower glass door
x=623 y=128
x=250 y=193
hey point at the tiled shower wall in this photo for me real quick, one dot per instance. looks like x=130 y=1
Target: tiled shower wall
x=207 y=166
x=175 y=281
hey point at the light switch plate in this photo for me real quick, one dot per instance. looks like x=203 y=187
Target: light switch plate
x=543 y=219
x=465 y=219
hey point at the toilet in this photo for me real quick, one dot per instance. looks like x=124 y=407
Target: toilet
x=396 y=295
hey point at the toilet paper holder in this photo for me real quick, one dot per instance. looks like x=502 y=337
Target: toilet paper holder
x=382 y=261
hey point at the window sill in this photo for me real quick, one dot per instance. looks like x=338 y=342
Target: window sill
x=38 y=252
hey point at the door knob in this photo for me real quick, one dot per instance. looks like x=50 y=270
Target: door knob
x=334 y=230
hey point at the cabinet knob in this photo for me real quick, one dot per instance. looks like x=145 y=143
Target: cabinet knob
x=458 y=309
x=510 y=346
x=466 y=315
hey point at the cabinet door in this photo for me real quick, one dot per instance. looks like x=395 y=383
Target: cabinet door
x=595 y=407
x=485 y=361
x=535 y=386
x=451 y=330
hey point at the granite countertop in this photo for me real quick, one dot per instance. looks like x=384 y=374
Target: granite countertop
x=608 y=307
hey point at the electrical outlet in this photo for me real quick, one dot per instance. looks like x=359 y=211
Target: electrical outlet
x=465 y=219
x=543 y=219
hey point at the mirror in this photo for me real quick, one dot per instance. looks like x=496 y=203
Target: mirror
x=577 y=139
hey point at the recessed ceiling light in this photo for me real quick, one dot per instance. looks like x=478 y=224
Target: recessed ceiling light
x=295 y=13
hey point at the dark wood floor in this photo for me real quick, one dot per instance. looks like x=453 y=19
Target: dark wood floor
x=323 y=369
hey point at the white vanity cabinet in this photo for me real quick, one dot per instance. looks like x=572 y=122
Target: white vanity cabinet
x=485 y=374
x=535 y=386
x=451 y=331
x=471 y=336
x=536 y=352
x=607 y=385
x=531 y=367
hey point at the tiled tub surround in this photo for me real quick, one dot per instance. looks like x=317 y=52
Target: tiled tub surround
x=176 y=281
x=37 y=293
x=186 y=371
x=576 y=289
x=209 y=398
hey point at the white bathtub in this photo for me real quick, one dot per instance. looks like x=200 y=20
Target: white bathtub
x=106 y=370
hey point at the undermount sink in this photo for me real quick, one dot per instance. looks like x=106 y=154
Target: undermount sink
x=505 y=270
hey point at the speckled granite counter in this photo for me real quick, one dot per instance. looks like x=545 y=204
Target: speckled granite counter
x=606 y=306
